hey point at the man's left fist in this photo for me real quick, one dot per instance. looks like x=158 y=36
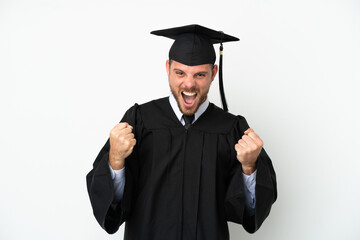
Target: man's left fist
x=248 y=149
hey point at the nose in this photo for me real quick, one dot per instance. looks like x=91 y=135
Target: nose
x=189 y=82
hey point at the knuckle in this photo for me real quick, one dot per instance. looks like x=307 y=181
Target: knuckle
x=113 y=134
x=122 y=138
x=122 y=125
x=127 y=143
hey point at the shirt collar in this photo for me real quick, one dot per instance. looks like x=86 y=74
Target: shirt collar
x=178 y=112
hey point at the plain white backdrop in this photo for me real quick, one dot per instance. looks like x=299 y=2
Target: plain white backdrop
x=70 y=69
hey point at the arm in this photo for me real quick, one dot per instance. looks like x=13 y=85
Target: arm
x=252 y=157
x=101 y=192
x=248 y=151
x=265 y=195
x=109 y=213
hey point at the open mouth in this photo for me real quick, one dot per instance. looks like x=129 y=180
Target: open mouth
x=189 y=98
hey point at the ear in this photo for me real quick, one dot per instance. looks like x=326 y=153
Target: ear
x=167 y=67
x=214 y=72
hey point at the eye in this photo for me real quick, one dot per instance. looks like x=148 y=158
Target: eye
x=200 y=75
x=179 y=73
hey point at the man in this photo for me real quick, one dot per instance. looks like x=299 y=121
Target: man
x=179 y=167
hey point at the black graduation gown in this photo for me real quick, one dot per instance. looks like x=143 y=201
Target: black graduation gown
x=180 y=184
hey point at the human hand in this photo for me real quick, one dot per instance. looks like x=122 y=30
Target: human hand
x=248 y=149
x=122 y=142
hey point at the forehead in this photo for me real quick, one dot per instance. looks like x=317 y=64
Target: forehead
x=190 y=69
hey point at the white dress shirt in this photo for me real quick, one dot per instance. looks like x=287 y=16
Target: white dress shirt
x=118 y=176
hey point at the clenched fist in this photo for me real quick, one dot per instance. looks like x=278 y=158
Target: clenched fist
x=122 y=142
x=248 y=149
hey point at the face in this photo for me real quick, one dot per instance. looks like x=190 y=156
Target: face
x=190 y=84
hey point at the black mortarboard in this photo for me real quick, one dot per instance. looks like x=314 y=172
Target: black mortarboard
x=194 y=46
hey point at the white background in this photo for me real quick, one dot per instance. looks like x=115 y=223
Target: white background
x=70 y=69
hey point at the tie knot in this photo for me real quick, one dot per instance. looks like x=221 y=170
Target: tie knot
x=188 y=120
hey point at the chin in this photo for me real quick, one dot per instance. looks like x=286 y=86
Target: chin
x=188 y=111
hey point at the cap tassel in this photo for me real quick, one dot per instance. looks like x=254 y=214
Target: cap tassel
x=221 y=86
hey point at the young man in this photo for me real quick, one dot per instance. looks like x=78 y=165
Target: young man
x=180 y=167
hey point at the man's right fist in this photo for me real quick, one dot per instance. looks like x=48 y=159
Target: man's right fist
x=122 y=142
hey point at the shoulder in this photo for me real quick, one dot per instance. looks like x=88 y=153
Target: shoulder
x=156 y=104
x=157 y=114
x=216 y=120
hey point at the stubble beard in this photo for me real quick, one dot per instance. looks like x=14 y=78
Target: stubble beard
x=185 y=111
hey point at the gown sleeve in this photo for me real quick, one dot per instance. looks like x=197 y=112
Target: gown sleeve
x=265 y=189
x=100 y=186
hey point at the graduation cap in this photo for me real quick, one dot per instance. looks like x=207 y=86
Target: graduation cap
x=193 y=46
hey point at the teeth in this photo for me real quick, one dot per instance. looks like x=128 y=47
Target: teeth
x=189 y=93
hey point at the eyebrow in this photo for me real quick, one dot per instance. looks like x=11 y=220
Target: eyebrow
x=203 y=72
